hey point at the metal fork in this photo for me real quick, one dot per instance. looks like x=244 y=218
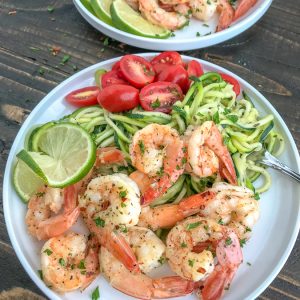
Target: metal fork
x=269 y=160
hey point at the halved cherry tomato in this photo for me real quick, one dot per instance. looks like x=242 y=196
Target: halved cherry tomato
x=118 y=97
x=116 y=66
x=137 y=70
x=175 y=74
x=233 y=81
x=160 y=96
x=84 y=97
x=194 y=68
x=111 y=78
x=168 y=58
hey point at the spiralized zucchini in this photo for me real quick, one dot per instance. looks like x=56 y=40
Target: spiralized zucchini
x=209 y=98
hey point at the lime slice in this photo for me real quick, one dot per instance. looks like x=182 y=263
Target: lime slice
x=87 y=5
x=25 y=181
x=127 y=19
x=102 y=10
x=67 y=155
x=32 y=144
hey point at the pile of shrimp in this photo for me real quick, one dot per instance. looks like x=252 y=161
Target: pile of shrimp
x=202 y=246
x=175 y=14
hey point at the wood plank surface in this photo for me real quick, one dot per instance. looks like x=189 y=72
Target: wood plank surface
x=267 y=56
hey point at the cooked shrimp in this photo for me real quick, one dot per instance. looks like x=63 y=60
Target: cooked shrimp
x=226 y=15
x=140 y=285
x=174 y=2
x=166 y=216
x=204 y=147
x=156 y=150
x=113 y=199
x=151 y=10
x=38 y=219
x=189 y=262
x=242 y=7
x=147 y=247
x=203 y=9
x=233 y=206
x=68 y=263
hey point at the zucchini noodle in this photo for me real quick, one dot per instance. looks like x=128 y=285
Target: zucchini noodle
x=209 y=98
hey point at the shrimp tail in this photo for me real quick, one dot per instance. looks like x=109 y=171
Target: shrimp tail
x=242 y=7
x=172 y=286
x=109 y=155
x=226 y=15
x=70 y=198
x=57 y=225
x=116 y=244
x=91 y=261
x=192 y=204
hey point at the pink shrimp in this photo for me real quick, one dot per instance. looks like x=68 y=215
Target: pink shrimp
x=242 y=7
x=38 y=218
x=199 y=264
x=226 y=15
x=205 y=144
x=156 y=151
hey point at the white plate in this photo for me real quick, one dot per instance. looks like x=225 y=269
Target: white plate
x=185 y=39
x=273 y=236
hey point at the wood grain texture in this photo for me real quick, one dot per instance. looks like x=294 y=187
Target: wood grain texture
x=267 y=56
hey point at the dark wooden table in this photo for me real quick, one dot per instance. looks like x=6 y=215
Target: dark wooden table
x=267 y=56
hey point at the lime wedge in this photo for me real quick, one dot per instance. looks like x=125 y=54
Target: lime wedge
x=127 y=19
x=87 y=5
x=67 y=155
x=25 y=181
x=102 y=10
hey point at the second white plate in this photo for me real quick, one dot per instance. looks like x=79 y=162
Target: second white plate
x=185 y=39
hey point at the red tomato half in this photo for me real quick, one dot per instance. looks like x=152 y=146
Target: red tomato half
x=84 y=97
x=111 y=78
x=137 y=70
x=116 y=66
x=118 y=97
x=233 y=81
x=168 y=58
x=194 y=68
x=175 y=74
x=160 y=96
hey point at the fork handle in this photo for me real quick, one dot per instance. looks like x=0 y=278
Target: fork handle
x=274 y=163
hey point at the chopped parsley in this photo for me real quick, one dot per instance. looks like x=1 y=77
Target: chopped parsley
x=256 y=196
x=81 y=265
x=106 y=41
x=205 y=25
x=242 y=242
x=40 y=194
x=216 y=117
x=123 y=194
x=172 y=34
x=65 y=59
x=41 y=274
x=221 y=222
x=191 y=262
x=193 y=225
x=228 y=241
x=183 y=245
x=156 y=103
x=198 y=34
x=50 y=9
x=123 y=228
x=249 y=264
x=99 y=222
x=123 y=204
x=48 y=251
x=205 y=227
x=62 y=262
x=248 y=229
x=162 y=260
x=96 y=294
x=183 y=160
x=142 y=146
x=41 y=71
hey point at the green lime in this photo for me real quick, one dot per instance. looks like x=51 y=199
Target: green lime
x=67 y=153
x=25 y=181
x=88 y=6
x=102 y=10
x=98 y=75
x=127 y=19
x=32 y=144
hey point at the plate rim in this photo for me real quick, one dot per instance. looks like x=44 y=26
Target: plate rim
x=10 y=160
x=223 y=35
